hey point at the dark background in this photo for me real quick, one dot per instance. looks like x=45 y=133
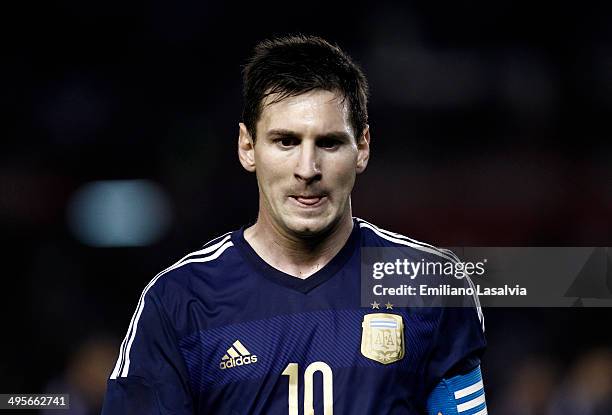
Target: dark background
x=490 y=124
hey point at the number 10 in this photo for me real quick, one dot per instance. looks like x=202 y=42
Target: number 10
x=328 y=388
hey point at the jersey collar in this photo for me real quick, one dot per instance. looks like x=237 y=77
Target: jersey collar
x=289 y=281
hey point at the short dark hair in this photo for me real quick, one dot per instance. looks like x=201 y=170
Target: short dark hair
x=293 y=65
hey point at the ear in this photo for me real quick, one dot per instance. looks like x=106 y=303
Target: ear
x=363 y=150
x=246 y=149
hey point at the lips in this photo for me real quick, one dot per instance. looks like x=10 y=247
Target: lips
x=308 y=201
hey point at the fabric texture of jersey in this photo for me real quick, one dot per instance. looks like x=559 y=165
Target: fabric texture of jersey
x=223 y=332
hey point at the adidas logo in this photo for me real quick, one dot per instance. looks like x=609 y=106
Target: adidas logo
x=237 y=355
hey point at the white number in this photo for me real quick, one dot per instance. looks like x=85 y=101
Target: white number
x=292 y=371
x=328 y=388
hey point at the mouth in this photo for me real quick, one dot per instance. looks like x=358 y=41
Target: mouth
x=309 y=201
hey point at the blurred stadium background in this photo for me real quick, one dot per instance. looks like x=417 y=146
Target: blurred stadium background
x=490 y=125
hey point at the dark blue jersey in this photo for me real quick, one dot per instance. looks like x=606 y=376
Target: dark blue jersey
x=223 y=332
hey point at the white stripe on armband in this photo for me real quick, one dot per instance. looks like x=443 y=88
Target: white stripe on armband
x=471 y=404
x=469 y=390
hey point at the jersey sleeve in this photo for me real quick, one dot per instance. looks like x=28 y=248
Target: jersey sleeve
x=458 y=344
x=150 y=375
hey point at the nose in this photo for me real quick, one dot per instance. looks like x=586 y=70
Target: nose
x=307 y=168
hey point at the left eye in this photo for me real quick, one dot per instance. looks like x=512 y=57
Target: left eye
x=328 y=143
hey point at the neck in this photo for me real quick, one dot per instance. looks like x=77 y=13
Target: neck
x=293 y=254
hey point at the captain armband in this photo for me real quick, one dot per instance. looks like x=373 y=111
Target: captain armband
x=459 y=395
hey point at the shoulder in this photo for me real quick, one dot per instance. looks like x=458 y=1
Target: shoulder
x=166 y=291
x=373 y=236
x=214 y=256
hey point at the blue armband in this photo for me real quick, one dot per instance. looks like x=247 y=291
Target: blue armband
x=459 y=395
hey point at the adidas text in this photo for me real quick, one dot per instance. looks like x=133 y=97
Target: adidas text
x=237 y=361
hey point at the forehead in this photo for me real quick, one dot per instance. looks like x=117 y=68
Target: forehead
x=315 y=112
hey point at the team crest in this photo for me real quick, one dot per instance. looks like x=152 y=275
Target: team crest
x=382 y=337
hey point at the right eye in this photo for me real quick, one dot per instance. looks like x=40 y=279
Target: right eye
x=286 y=142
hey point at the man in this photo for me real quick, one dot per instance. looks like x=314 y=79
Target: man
x=267 y=319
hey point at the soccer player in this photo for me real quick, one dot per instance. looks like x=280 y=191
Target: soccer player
x=267 y=319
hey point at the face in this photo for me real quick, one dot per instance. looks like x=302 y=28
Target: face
x=306 y=157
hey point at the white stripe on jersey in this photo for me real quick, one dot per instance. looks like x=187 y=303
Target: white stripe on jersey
x=444 y=253
x=123 y=361
x=400 y=236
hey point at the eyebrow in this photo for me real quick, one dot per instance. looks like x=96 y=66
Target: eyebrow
x=337 y=135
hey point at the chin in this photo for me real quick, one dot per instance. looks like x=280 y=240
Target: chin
x=309 y=227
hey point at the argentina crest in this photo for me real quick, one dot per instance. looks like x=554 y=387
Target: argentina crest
x=382 y=337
